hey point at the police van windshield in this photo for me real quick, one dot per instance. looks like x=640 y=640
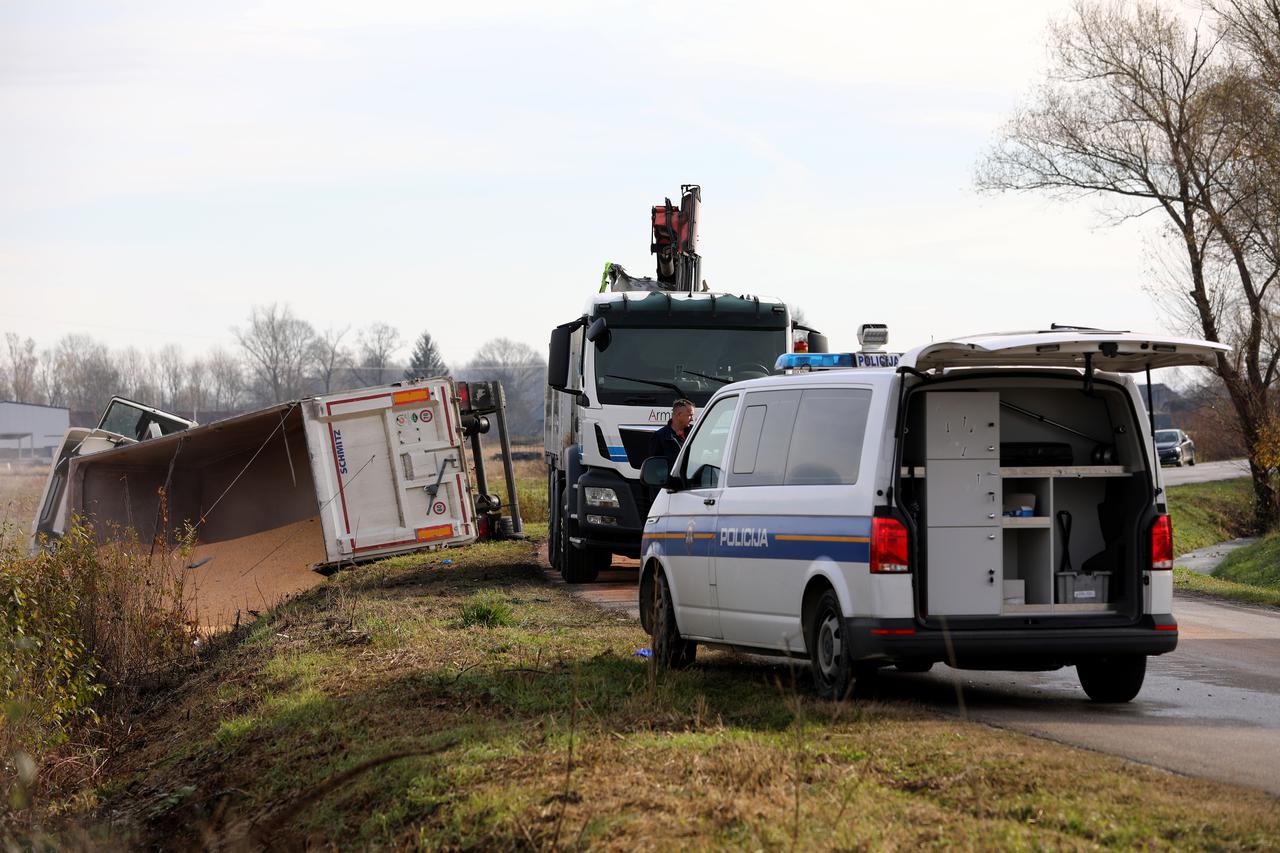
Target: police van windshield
x=644 y=366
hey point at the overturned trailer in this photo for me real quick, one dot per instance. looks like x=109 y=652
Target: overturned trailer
x=361 y=474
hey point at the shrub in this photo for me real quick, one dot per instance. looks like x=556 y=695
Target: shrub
x=81 y=620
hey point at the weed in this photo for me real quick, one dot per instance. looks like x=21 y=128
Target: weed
x=487 y=609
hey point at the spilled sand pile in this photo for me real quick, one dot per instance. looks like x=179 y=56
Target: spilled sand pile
x=252 y=573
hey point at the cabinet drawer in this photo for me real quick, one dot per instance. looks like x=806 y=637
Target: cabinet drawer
x=962 y=425
x=964 y=571
x=963 y=493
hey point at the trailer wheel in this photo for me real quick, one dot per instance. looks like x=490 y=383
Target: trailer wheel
x=670 y=651
x=1115 y=679
x=834 y=675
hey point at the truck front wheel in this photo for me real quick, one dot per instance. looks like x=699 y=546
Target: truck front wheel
x=577 y=565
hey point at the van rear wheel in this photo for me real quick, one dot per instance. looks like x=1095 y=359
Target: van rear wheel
x=834 y=674
x=1113 y=680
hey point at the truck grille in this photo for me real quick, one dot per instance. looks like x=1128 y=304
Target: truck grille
x=636 y=443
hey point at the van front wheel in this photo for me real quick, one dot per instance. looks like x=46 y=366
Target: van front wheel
x=834 y=674
x=1116 y=679
x=670 y=651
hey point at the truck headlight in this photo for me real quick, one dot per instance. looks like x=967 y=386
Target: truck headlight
x=601 y=496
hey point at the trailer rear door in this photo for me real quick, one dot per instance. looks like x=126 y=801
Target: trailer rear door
x=389 y=469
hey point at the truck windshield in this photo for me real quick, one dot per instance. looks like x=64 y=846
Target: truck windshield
x=645 y=366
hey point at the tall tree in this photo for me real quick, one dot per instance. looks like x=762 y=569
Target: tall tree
x=277 y=345
x=378 y=345
x=23 y=364
x=330 y=356
x=425 y=360
x=226 y=379
x=1157 y=118
x=522 y=371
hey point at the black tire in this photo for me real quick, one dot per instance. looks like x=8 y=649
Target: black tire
x=553 y=516
x=1177 y=463
x=1192 y=460
x=576 y=564
x=670 y=650
x=1112 y=680
x=834 y=674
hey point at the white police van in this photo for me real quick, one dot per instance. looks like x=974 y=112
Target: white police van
x=992 y=502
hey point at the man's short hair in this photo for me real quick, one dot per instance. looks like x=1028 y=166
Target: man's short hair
x=682 y=403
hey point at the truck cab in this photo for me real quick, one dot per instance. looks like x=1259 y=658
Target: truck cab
x=612 y=375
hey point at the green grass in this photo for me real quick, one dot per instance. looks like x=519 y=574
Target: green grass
x=1256 y=565
x=1190 y=581
x=369 y=714
x=488 y=609
x=1205 y=514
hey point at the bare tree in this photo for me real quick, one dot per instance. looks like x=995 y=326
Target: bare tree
x=137 y=376
x=171 y=368
x=226 y=378
x=330 y=357
x=82 y=374
x=378 y=345
x=23 y=363
x=277 y=345
x=196 y=388
x=522 y=371
x=1159 y=119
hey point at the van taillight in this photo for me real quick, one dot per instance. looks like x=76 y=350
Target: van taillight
x=1161 y=543
x=888 y=546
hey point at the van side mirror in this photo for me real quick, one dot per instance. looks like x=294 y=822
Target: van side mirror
x=656 y=472
x=598 y=333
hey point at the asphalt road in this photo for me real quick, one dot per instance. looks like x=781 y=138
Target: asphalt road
x=1210 y=708
x=1203 y=472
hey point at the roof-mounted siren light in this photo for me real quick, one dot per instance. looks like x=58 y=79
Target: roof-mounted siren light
x=873 y=337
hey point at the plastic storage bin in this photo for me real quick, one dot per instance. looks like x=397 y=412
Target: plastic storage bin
x=1080 y=588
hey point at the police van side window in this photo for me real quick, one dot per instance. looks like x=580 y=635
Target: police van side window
x=760 y=453
x=826 y=444
x=705 y=457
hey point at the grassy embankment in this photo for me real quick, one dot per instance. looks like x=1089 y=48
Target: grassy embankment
x=477 y=706
x=1204 y=514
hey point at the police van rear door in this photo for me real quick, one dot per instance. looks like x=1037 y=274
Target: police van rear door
x=389 y=469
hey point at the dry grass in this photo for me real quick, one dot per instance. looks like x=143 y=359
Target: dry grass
x=19 y=494
x=368 y=713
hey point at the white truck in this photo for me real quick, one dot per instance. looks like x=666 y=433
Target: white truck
x=614 y=371
x=380 y=471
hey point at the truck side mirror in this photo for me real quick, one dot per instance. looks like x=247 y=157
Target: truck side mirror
x=598 y=333
x=558 y=357
x=817 y=342
x=656 y=472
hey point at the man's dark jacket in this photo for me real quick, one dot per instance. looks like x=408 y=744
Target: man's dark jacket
x=666 y=442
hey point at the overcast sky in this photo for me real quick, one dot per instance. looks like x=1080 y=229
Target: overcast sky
x=467 y=169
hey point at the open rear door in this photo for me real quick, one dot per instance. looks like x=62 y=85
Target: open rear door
x=389 y=468
x=1117 y=352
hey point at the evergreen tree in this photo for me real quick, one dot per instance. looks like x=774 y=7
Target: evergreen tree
x=426 y=359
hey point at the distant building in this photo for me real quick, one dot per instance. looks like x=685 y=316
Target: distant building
x=28 y=430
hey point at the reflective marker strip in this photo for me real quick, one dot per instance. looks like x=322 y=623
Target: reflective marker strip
x=417 y=395
x=792 y=537
x=893 y=631
x=1166 y=627
x=439 y=531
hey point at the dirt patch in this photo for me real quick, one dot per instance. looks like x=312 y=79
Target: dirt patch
x=251 y=574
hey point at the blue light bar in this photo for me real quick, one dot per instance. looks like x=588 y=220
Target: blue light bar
x=813 y=360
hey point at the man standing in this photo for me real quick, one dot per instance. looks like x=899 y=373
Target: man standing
x=667 y=441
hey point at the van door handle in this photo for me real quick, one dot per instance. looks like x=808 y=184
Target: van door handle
x=708 y=501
